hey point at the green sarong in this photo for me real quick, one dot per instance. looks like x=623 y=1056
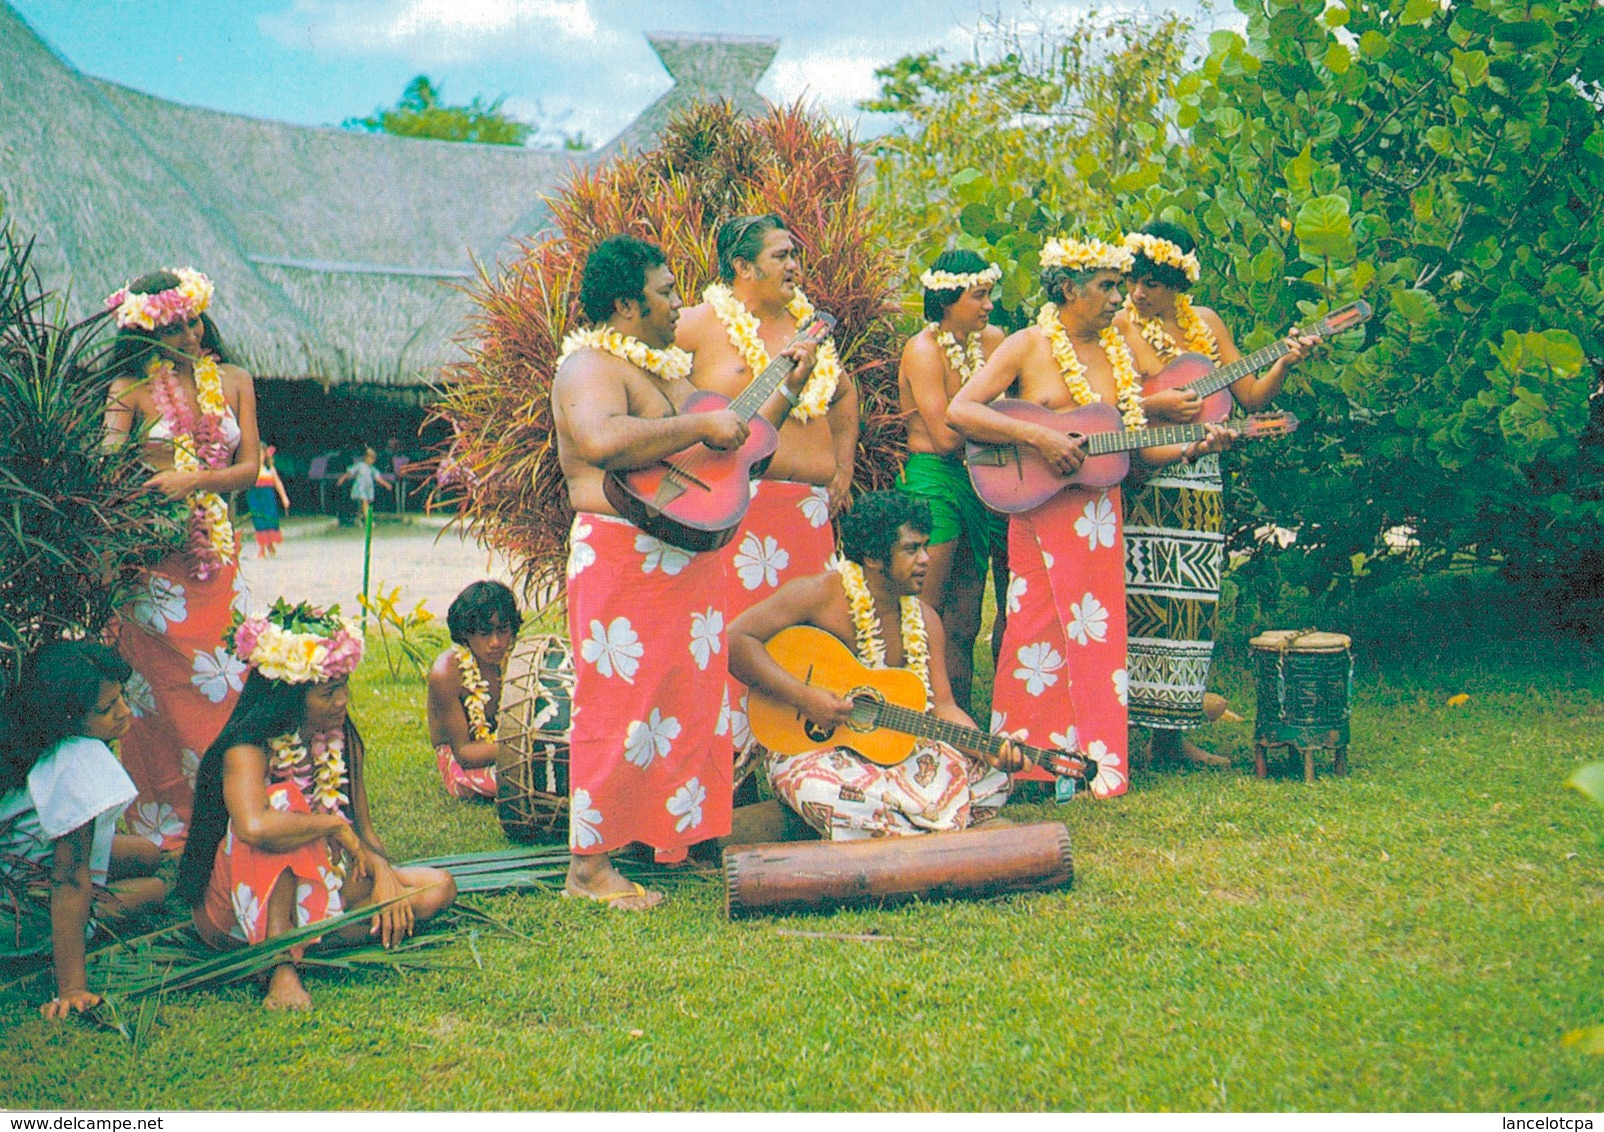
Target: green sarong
x=955 y=509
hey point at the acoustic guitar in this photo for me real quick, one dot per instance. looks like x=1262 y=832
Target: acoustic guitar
x=888 y=710
x=1197 y=374
x=1015 y=477
x=696 y=498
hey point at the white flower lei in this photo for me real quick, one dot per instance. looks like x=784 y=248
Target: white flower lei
x=672 y=364
x=871 y=649
x=1073 y=369
x=965 y=359
x=323 y=769
x=477 y=701
x=1164 y=252
x=1199 y=338
x=742 y=327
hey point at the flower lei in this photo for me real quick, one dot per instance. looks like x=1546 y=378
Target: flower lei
x=1074 y=370
x=672 y=364
x=298 y=645
x=742 y=327
x=965 y=359
x=198 y=444
x=1199 y=338
x=476 y=702
x=1085 y=255
x=319 y=773
x=1164 y=252
x=951 y=281
x=871 y=649
x=164 y=308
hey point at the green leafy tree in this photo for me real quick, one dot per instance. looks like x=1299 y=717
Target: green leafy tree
x=1043 y=129
x=421 y=114
x=1444 y=161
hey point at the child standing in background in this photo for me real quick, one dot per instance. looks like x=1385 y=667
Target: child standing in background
x=264 y=500
x=364 y=474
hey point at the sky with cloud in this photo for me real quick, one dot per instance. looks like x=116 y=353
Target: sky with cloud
x=577 y=65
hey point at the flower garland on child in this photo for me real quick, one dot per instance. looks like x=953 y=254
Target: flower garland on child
x=320 y=773
x=476 y=700
x=198 y=444
x=742 y=327
x=672 y=364
x=866 y=624
x=1074 y=370
x=1199 y=338
x=965 y=359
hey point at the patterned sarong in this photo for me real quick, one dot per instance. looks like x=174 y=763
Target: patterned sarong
x=183 y=688
x=647 y=623
x=461 y=781
x=955 y=509
x=845 y=797
x=1061 y=675
x=1174 y=555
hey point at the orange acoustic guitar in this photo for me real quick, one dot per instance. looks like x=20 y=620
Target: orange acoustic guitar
x=888 y=710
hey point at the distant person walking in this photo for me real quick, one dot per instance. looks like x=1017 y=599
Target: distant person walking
x=364 y=475
x=264 y=500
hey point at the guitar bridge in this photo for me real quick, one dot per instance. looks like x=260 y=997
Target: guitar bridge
x=994 y=456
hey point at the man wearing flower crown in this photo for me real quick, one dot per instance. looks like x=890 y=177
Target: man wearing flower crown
x=753 y=311
x=870 y=602
x=1061 y=678
x=646 y=619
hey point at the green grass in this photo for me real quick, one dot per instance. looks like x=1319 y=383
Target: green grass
x=1416 y=936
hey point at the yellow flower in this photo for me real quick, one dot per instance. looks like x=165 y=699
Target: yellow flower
x=866 y=625
x=1073 y=370
x=672 y=364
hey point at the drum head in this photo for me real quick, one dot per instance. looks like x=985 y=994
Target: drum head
x=1295 y=640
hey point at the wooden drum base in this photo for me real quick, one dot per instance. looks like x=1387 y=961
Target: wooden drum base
x=1306 y=746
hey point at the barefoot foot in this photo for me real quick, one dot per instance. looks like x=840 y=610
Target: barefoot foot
x=284 y=990
x=595 y=878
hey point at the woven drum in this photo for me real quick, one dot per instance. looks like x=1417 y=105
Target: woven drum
x=1304 y=679
x=537 y=691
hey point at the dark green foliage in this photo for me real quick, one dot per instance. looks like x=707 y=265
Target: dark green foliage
x=421 y=114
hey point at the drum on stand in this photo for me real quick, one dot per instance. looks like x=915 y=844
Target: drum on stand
x=1305 y=681
x=533 y=725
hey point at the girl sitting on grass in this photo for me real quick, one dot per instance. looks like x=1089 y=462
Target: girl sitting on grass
x=281 y=836
x=61 y=789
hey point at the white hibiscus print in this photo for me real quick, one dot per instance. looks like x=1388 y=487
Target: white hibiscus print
x=580 y=552
x=217 y=673
x=1038 y=667
x=1067 y=740
x=732 y=721
x=1047 y=560
x=653 y=738
x=189 y=764
x=998 y=718
x=1088 y=621
x=332 y=882
x=705 y=630
x=247 y=909
x=1016 y=590
x=303 y=913
x=583 y=818
x=1110 y=769
x=1096 y=524
x=242 y=594
x=615 y=648
x=155 y=822
x=686 y=804
x=816 y=507
x=279 y=800
x=159 y=604
x=1122 y=687
x=658 y=553
x=140 y=696
x=760 y=561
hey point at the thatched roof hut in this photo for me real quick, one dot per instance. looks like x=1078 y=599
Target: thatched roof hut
x=335 y=253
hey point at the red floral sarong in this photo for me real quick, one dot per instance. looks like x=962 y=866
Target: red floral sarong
x=1061 y=676
x=647 y=623
x=234 y=910
x=461 y=781
x=182 y=691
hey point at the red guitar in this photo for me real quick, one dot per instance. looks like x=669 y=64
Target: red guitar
x=1196 y=373
x=1013 y=477
x=696 y=499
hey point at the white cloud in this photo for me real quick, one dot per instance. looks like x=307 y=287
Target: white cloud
x=837 y=82
x=438 y=31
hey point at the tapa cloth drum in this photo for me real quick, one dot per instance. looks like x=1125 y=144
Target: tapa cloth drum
x=1304 y=680
x=533 y=725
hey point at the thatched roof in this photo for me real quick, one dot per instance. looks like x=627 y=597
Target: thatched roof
x=336 y=254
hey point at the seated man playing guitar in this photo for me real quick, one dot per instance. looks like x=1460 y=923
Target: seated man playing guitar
x=870 y=603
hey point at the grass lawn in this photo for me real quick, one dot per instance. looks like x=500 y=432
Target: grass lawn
x=1417 y=936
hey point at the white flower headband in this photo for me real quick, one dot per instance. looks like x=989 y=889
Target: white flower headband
x=175 y=305
x=951 y=281
x=299 y=645
x=1165 y=253
x=1090 y=255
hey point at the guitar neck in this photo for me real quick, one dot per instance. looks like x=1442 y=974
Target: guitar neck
x=1104 y=443
x=751 y=399
x=1217 y=379
x=911 y=722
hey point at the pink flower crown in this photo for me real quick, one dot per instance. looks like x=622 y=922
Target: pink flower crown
x=164 y=308
x=298 y=644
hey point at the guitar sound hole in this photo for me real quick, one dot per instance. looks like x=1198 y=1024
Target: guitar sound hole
x=865 y=709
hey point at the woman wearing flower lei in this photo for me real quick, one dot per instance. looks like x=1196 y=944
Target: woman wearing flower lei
x=870 y=602
x=465 y=688
x=1174 y=536
x=1061 y=678
x=282 y=836
x=176 y=393
x=967 y=536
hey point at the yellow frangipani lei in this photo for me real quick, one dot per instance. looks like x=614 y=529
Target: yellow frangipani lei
x=742 y=327
x=476 y=702
x=965 y=359
x=1074 y=371
x=1199 y=338
x=671 y=364
x=866 y=624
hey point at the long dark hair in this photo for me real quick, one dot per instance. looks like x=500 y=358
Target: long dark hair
x=60 y=685
x=131 y=350
x=265 y=710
